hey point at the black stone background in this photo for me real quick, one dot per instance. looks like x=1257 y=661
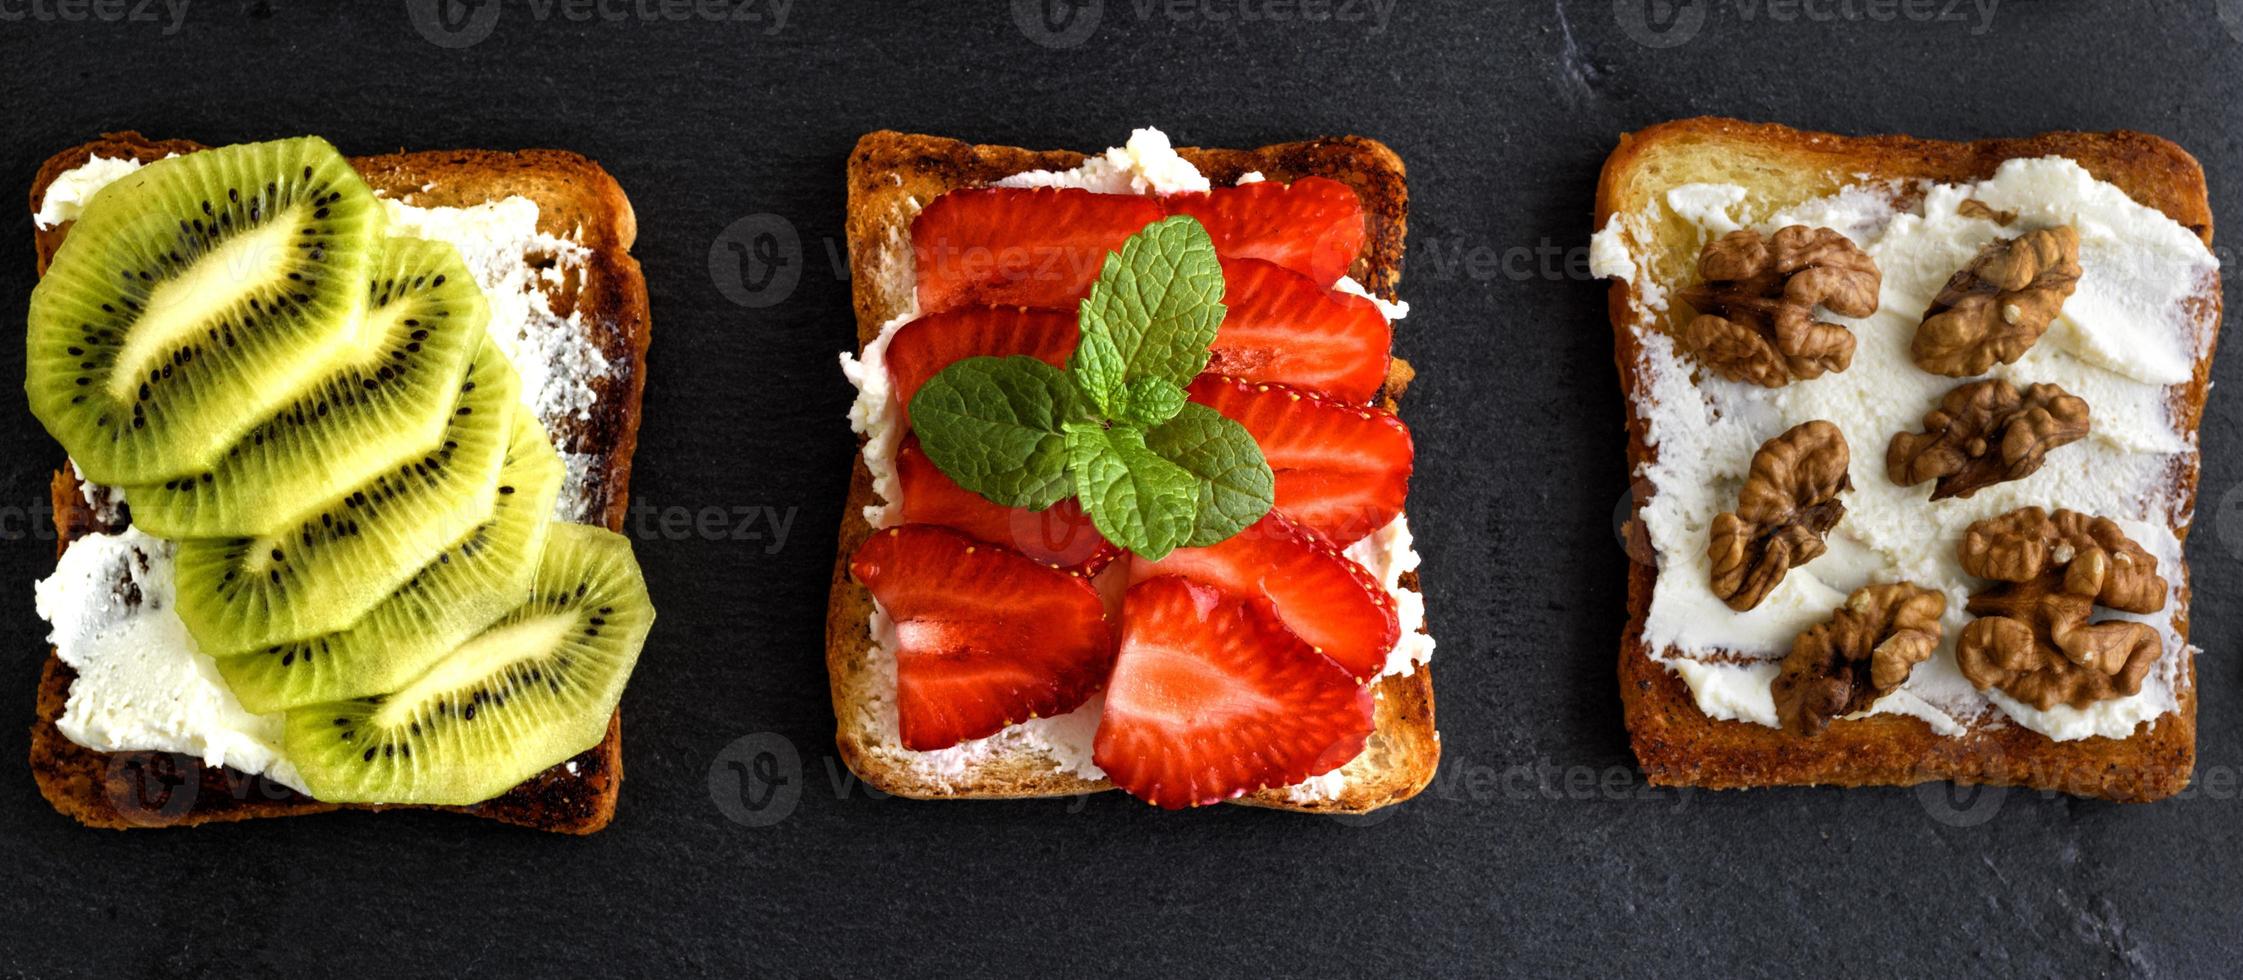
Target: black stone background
x=1538 y=851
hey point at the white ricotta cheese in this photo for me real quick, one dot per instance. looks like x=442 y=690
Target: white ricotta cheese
x=1145 y=165
x=2123 y=336
x=517 y=266
x=142 y=684
x=1387 y=553
x=1707 y=205
x=68 y=193
x=876 y=415
x=1610 y=257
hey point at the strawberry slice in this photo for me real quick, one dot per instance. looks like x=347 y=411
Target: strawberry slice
x=1212 y=697
x=1017 y=246
x=1312 y=226
x=1060 y=536
x=1341 y=469
x=1279 y=325
x=1324 y=597
x=985 y=636
x=920 y=349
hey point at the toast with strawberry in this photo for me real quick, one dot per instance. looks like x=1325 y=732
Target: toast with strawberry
x=1128 y=507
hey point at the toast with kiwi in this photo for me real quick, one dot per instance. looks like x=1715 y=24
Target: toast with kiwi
x=507 y=468
x=891 y=177
x=1778 y=167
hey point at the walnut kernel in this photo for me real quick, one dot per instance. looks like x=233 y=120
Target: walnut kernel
x=1984 y=433
x=1756 y=306
x=1864 y=651
x=1995 y=309
x=1789 y=501
x=2033 y=638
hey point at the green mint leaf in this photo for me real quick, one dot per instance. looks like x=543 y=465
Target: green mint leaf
x=1135 y=498
x=1236 y=486
x=1151 y=401
x=1155 y=308
x=995 y=426
x=1097 y=370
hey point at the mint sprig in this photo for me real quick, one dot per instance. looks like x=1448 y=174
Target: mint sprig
x=996 y=426
x=1115 y=429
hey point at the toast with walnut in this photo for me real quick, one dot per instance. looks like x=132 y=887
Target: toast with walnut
x=577 y=200
x=891 y=177
x=1678 y=282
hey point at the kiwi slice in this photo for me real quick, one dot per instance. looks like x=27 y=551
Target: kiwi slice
x=388 y=401
x=342 y=557
x=477 y=580
x=523 y=696
x=192 y=299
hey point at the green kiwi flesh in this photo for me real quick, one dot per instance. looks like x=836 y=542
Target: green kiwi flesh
x=480 y=578
x=533 y=690
x=389 y=400
x=193 y=298
x=344 y=556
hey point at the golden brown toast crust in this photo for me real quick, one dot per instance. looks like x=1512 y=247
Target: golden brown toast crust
x=1677 y=744
x=142 y=789
x=890 y=175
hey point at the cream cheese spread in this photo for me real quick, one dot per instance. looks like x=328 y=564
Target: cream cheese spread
x=519 y=267
x=142 y=684
x=2123 y=337
x=68 y=193
x=1145 y=165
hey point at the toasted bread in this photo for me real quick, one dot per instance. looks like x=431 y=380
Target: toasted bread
x=891 y=175
x=1675 y=742
x=576 y=199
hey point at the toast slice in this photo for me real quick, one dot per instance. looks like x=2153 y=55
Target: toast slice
x=577 y=200
x=891 y=176
x=1675 y=742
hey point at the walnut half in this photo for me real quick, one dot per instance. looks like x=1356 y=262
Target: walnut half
x=1984 y=433
x=1756 y=306
x=2033 y=638
x=1789 y=501
x=1995 y=309
x=1863 y=652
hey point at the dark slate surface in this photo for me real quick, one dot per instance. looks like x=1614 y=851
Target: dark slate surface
x=1538 y=851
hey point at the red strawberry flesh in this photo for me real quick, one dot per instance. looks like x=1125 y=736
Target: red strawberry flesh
x=920 y=349
x=1006 y=246
x=1211 y=698
x=985 y=636
x=1313 y=226
x=1279 y=325
x=1341 y=469
x=1060 y=535
x=1321 y=595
